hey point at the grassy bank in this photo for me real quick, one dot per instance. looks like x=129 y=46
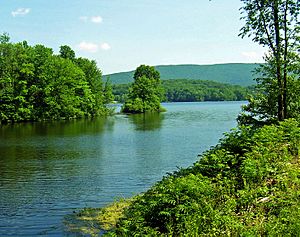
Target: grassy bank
x=247 y=185
x=93 y=221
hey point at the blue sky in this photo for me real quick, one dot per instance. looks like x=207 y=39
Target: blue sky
x=122 y=34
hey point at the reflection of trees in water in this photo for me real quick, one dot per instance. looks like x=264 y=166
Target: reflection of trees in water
x=147 y=121
x=55 y=128
x=78 y=127
x=29 y=149
x=46 y=160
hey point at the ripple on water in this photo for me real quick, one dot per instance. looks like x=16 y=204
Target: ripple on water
x=49 y=170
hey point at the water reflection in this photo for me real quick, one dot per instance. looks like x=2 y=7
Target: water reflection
x=54 y=140
x=148 y=121
x=49 y=169
x=53 y=128
x=37 y=161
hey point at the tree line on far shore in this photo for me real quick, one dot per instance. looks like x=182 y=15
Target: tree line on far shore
x=185 y=90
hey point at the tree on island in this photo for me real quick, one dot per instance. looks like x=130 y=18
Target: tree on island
x=274 y=24
x=145 y=94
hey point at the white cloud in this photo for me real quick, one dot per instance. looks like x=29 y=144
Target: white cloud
x=105 y=46
x=96 y=19
x=88 y=46
x=93 y=19
x=93 y=47
x=20 y=12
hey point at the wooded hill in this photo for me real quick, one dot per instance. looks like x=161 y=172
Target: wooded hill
x=232 y=73
x=183 y=90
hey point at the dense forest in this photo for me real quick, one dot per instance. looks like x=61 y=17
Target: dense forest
x=36 y=84
x=182 y=90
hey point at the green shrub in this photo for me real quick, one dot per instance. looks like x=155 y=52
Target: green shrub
x=248 y=185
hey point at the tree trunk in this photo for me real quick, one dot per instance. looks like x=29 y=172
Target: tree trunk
x=280 y=114
x=286 y=42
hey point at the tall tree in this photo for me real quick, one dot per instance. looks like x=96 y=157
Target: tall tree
x=274 y=24
x=145 y=93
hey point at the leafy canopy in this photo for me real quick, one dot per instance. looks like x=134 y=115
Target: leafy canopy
x=35 y=84
x=274 y=24
x=145 y=94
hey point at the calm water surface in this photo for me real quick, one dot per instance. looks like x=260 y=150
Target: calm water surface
x=48 y=170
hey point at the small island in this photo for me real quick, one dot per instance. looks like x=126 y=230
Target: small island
x=145 y=94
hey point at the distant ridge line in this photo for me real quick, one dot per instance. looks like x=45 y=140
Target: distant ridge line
x=230 y=73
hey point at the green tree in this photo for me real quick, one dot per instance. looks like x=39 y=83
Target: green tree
x=147 y=71
x=16 y=70
x=145 y=93
x=184 y=90
x=93 y=76
x=64 y=92
x=263 y=104
x=273 y=24
x=39 y=55
x=4 y=38
x=67 y=52
x=108 y=92
x=37 y=85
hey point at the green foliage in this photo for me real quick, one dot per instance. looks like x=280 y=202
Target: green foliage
x=108 y=92
x=182 y=90
x=145 y=93
x=248 y=185
x=92 y=221
x=67 y=94
x=274 y=25
x=4 y=38
x=263 y=105
x=197 y=90
x=93 y=76
x=120 y=92
x=37 y=85
x=148 y=72
x=233 y=73
x=66 y=52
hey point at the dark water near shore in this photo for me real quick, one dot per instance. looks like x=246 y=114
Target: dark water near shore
x=48 y=170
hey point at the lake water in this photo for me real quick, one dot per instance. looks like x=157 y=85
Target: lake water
x=49 y=170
